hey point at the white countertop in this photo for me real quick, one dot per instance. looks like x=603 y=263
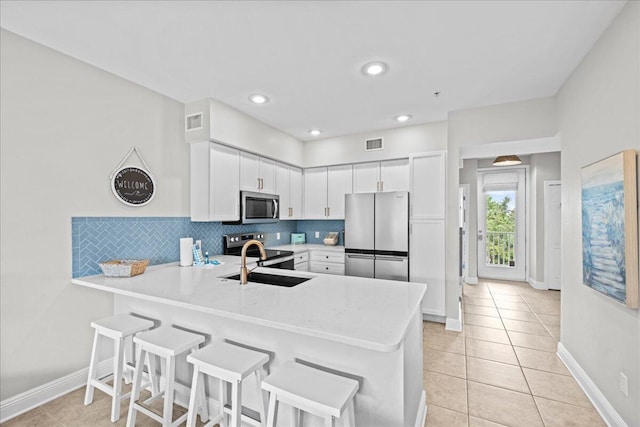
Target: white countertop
x=307 y=247
x=368 y=313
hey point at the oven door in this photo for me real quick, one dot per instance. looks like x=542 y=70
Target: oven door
x=285 y=263
x=259 y=208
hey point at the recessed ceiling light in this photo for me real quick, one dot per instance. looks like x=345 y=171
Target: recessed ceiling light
x=403 y=117
x=258 y=99
x=315 y=132
x=374 y=68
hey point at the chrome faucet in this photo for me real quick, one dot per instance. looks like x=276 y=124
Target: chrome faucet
x=244 y=272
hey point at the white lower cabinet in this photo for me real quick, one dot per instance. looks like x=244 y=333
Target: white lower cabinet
x=326 y=262
x=427 y=262
x=301 y=261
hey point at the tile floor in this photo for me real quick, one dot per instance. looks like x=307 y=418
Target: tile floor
x=501 y=371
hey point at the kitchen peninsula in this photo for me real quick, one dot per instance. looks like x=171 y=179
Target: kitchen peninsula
x=370 y=330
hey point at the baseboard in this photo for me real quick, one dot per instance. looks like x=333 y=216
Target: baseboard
x=537 y=285
x=471 y=280
x=30 y=399
x=455 y=324
x=599 y=401
x=422 y=410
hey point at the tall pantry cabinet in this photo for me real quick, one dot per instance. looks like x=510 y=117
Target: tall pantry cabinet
x=427 y=227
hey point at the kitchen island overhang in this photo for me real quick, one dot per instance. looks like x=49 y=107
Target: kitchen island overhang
x=368 y=329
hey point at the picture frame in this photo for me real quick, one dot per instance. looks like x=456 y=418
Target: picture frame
x=610 y=227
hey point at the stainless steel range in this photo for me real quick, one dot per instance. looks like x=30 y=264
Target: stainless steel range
x=233 y=243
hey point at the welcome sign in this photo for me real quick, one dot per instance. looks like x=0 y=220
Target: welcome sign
x=133 y=186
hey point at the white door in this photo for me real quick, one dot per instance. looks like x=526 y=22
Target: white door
x=282 y=189
x=366 y=177
x=502 y=224
x=315 y=193
x=463 y=224
x=249 y=172
x=295 y=192
x=552 y=232
x=394 y=175
x=339 y=183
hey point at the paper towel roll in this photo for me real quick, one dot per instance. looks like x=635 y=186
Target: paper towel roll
x=186 y=251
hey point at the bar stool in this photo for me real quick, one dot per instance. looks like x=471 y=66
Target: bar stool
x=168 y=343
x=311 y=390
x=118 y=328
x=229 y=364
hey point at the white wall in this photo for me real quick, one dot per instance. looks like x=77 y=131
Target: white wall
x=65 y=126
x=599 y=115
x=399 y=142
x=531 y=119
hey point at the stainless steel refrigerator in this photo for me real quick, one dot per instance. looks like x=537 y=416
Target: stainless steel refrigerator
x=376 y=235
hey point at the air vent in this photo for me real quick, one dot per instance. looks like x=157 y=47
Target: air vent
x=193 y=122
x=373 y=144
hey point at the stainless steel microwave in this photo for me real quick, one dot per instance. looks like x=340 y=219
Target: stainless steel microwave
x=256 y=208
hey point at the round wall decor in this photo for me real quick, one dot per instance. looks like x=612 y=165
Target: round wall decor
x=133 y=186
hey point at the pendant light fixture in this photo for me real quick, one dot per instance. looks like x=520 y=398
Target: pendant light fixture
x=510 y=160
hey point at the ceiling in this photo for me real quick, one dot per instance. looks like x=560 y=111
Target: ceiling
x=307 y=56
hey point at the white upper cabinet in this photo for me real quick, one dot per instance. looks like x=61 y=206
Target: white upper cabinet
x=215 y=186
x=324 y=190
x=339 y=183
x=315 y=193
x=394 y=175
x=428 y=185
x=389 y=175
x=257 y=173
x=366 y=177
x=289 y=188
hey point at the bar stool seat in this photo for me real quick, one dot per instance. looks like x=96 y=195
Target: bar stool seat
x=229 y=364
x=168 y=343
x=311 y=390
x=118 y=328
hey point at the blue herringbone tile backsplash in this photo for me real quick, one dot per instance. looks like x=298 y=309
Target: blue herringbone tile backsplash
x=98 y=239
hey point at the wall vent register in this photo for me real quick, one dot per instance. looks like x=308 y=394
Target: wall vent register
x=373 y=144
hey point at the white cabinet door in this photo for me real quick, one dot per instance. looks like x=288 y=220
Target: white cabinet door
x=339 y=184
x=394 y=175
x=427 y=263
x=428 y=185
x=257 y=173
x=282 y=189
x=249 y=172
x=267 y=176
x=315 y=193
x=215 y=185
x=366 y=177
x=295 y=192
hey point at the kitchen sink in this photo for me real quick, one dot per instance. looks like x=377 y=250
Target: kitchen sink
x=272 y=279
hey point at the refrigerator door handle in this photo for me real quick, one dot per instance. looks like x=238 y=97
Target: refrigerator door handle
x=360 y=256
x=390 y=258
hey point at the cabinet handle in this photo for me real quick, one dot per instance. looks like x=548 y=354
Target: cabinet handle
x=258 y=183
x=261 y=184
x=378 y=186
x=381 y=185
x=329 y=211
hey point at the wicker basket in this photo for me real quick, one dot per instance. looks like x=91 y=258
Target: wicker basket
x=124 y=267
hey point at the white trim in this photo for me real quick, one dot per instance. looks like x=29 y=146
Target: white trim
x=521 y=147
x=453 y=324
x=599 y=401
x=422 y=410
x=537 y=285
x=471 y=280
x=433 y=317
x=30 y=399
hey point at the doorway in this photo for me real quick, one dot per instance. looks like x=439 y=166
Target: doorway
x=502 y=223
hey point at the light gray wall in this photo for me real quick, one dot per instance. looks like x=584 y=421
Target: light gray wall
x=535 y=118
x=65 y=126
x=543 y=167
x=399 y=142
x=599 y=115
